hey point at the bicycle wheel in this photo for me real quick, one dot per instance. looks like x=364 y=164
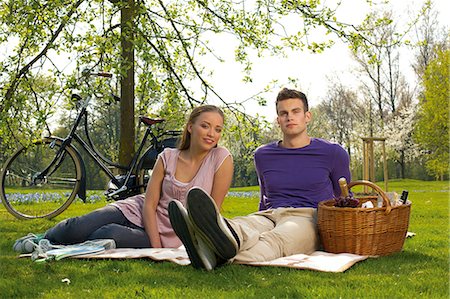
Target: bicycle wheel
x=28 y=194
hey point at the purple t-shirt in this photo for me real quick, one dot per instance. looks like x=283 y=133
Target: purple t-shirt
x=300 y=177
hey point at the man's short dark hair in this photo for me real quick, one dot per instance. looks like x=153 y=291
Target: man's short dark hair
x=287 y=93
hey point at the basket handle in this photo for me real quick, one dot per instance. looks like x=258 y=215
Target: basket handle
x=376 y=188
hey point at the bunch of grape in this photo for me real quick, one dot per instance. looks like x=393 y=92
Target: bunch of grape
x=346 y=201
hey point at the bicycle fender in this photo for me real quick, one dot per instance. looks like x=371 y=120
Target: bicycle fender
x=82 y=190
x=148 y=159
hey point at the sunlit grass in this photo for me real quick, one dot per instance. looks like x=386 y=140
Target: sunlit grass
x=421 y=270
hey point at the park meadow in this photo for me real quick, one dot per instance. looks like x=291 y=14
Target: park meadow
x=421 y=270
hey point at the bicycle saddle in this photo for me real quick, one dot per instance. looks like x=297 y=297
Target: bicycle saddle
x=150 y=121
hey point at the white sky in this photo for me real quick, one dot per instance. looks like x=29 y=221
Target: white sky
x=311 y=70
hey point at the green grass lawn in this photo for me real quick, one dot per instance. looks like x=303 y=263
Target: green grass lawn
x=421 y=270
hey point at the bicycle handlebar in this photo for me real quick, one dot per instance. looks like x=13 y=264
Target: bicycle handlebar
x=102 y=74
x=87 y=72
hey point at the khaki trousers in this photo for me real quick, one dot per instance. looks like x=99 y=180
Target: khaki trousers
x=271 y=234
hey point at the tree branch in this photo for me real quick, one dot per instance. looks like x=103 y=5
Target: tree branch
x=15 y=82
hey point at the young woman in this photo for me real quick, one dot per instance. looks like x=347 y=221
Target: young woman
x=142 y=221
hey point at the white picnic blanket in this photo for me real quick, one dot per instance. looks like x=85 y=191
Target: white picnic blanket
x=319 y=260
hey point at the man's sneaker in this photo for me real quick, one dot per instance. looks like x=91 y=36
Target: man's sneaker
x=201 y=256
x=206 y=218
x=28 y=243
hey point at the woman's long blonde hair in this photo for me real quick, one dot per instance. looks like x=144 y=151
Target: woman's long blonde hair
x=185 y=141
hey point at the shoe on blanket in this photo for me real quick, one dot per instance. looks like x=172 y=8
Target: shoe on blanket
x=28 y=243
x=201 y=256
x=207 y=221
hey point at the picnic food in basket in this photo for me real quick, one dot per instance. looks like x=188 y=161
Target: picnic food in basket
x=365 y=231
x=346 y=199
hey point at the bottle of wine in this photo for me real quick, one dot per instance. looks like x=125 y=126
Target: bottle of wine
x=404 y=196
x=344 y=187
x=346 y=199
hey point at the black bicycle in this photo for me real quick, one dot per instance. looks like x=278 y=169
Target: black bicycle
x=42 y=179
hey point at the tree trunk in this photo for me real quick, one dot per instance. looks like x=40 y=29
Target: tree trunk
x=402 y=164
x=127 y=130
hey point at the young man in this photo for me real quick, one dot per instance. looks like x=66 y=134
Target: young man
x=294 y=174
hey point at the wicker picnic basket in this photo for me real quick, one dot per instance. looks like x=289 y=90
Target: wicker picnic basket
x=365 y=231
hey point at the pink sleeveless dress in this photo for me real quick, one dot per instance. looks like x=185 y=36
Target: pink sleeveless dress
x=173 y=189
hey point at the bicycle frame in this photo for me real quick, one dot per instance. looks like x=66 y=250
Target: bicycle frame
x=26 y=162
x=99 y=159
x=89 y=147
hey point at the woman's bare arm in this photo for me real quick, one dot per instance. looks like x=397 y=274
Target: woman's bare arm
x=222 y=181
x=152 y=196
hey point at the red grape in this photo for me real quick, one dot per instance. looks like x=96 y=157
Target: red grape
x=346 y=201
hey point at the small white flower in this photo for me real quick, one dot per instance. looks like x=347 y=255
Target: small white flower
x=66 y=280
